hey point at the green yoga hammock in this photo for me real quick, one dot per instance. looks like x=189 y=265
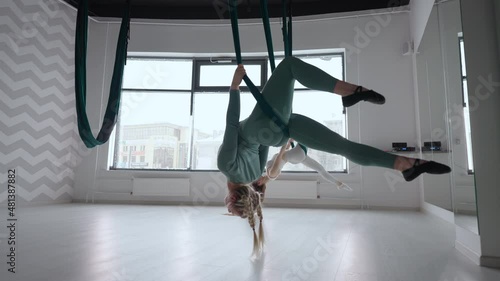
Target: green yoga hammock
x=287 y=37
x=111 y=114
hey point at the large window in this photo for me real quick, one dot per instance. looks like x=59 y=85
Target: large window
x=173 y=111
x=468 y=134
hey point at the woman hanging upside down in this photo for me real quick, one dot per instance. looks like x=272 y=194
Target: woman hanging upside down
x=243 y=154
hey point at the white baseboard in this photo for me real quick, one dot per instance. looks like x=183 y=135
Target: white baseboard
x=23 y=204
x=468 y=243
x=467 y=252
x=147 y=202
x=438 y=212
x=273 y=203
x=493 y=262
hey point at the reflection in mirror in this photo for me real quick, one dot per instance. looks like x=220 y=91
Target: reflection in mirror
x=433 y=107
x=444 y=114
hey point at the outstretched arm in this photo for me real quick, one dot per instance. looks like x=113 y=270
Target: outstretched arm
x=313 y=164
x=229 y=147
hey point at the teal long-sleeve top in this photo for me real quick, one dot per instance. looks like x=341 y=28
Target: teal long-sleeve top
x=240 y=159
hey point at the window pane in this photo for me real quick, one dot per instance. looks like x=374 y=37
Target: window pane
x=156 y=128
x=468 y=133
x=462 y=57
x=468 y=137
x=158 y=74
x=221 y=75
x=209 y=124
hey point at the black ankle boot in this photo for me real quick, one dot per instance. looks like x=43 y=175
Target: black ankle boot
x=360 y=95
x=430 y=167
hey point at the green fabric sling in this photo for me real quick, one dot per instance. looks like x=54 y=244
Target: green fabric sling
x=267 y=31
x=289 y=30
x=287 y=37
x=265 y=107
x=112 y=108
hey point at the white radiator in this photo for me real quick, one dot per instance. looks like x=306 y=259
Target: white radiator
x=292 y=189
x=160 y=187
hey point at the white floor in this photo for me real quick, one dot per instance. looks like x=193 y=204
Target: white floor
x=78 y=242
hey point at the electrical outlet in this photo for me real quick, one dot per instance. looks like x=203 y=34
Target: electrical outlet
x=457 y=141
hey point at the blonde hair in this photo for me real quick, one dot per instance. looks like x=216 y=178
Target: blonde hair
x=247 y=203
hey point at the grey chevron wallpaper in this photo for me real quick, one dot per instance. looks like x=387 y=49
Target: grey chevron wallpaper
x=38 y=136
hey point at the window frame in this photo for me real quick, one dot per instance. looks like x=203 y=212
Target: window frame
x=197 y=63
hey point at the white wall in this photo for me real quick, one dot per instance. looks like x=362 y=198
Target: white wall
x=482 y=57
x=420 y=11
x=38 y=122
x=431 y=81
x=97 y=66
x=375 y=62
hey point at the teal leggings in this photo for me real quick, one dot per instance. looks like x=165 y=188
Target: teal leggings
x=278 y=92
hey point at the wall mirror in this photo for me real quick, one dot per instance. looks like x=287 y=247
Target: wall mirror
x=444 y=114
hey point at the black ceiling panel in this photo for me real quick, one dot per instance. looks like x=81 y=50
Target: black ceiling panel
x=217 y=9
